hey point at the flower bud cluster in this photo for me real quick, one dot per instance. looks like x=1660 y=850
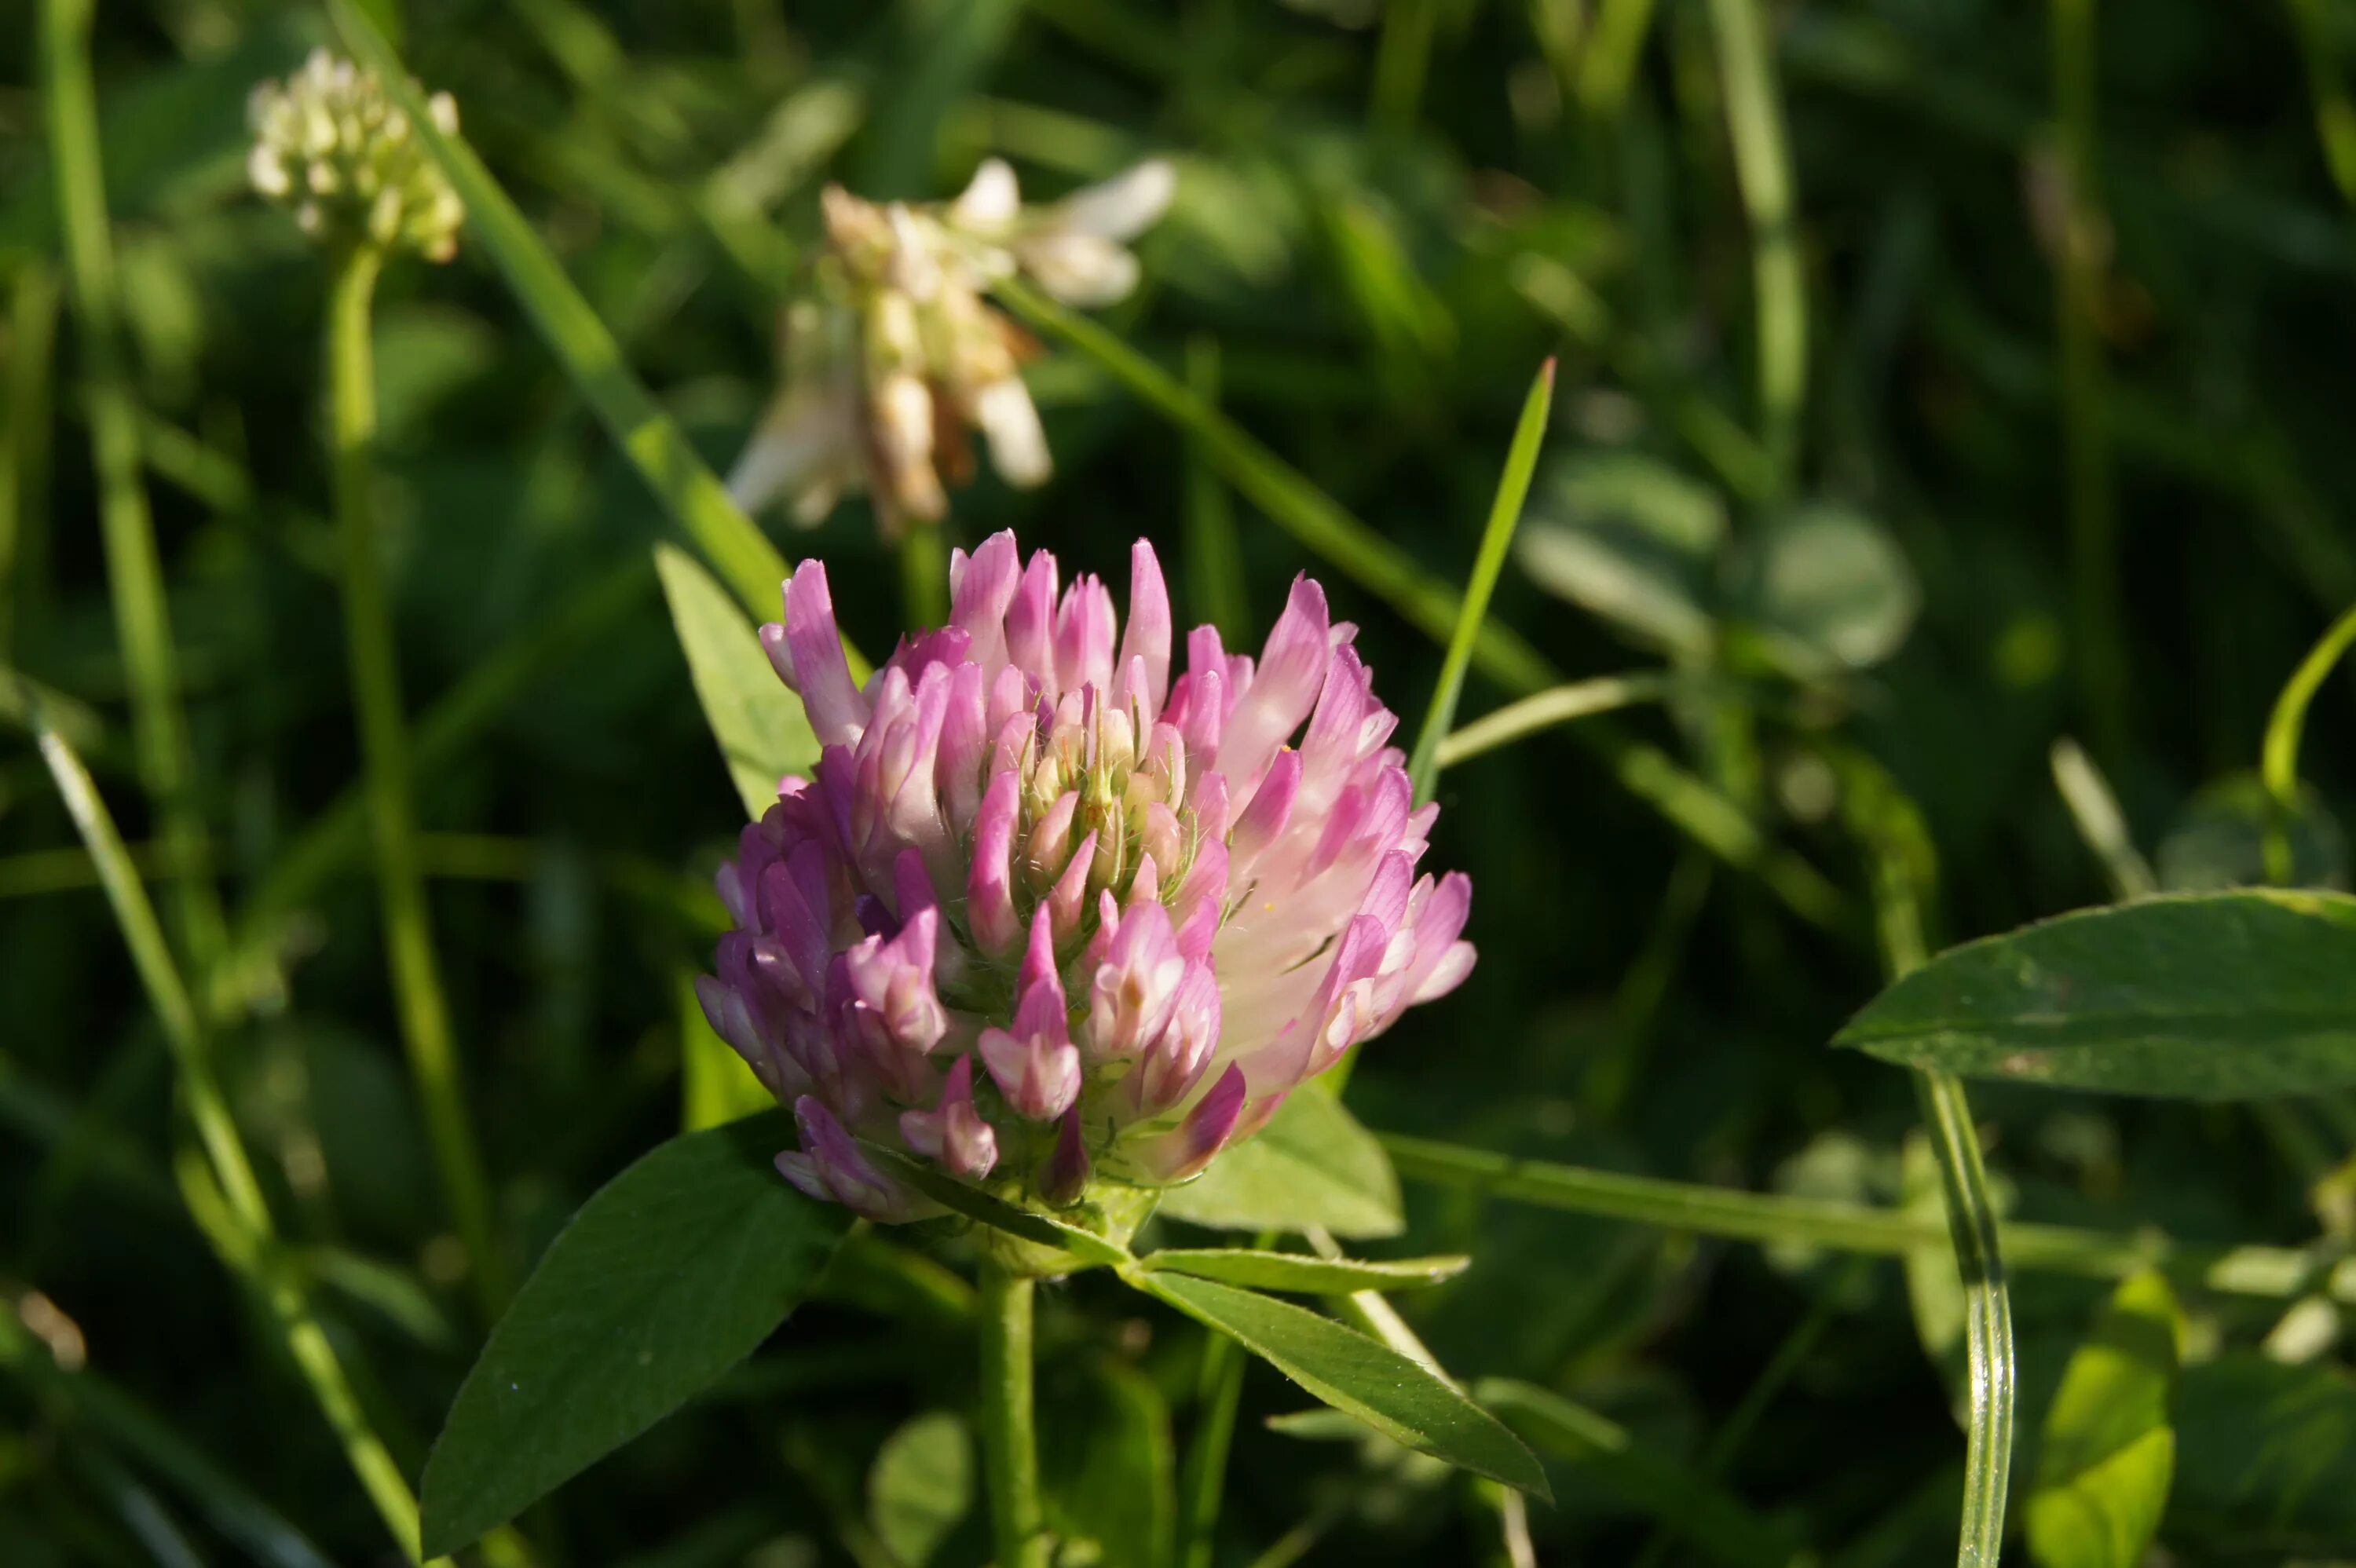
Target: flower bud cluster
x=329 y=143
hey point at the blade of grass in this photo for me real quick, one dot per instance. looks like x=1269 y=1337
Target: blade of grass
x=422 y=1010
x=2080 y=243
x=146 y=1436
x=226 y=1160
x=739 y=552
x=1732 y=1214
x=1901 y=858
x=1301 y=509
x=1557 y=705
x=2279 y=764
x=1214 y=566
x=1762 y=168
x=2327 y=84
x=134 y=572
x=1608 y=63
x=1496 y=539
x=2095 y=810
x=24 y=449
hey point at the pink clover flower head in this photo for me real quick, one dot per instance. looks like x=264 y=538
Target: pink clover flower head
x=1050 y=912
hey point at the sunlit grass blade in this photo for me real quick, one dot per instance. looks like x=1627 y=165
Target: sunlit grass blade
x=2279 y=760
x=1762 y=167
x=134 y=572
x=688 y=489
x=1898 y=847
x=2095 y=811
x=1769 y=1219
x=1322 y=524
x=1497 y=539
x=1557 y=705
x=226 y=1157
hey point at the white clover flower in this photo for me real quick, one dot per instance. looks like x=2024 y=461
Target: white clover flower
x=894 y=358
x=330 y=144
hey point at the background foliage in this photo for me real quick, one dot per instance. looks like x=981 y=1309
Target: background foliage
x=2026 y=423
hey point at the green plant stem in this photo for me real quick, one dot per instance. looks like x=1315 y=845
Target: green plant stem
x=2100 y=655
x=1762 y=168
x=1010 y=1447
x=384 y=746
x=1314 y=517
x=925 y=575
x=2279 y=764
x=24 y=446
x=1496 y=539
x=134 y=572
x=250 y=1253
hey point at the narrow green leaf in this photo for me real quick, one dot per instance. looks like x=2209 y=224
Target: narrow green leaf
x=763 y=733
x=654 y=445
x=668 y=1276
x=2217 y=996
x=1301 y=1274
x=1504 y=515
x=2264 y=1451
x=1084 y=1246
x=1403 y=1400
x=1688 y=1505
x=1312 y=1165
x=2103 y=1474
x=922 y=1487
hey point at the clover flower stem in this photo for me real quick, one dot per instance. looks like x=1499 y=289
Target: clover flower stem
x=384 y=745
x=1009 y=1444
x=925 y=575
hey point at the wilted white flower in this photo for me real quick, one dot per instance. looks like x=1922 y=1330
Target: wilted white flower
x=330 y=144
x=894 y=358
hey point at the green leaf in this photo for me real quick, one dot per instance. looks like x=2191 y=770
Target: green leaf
x=1825 y=588
x=1629 y=538
x=1302 y=1273
x=1505 y=515
x=1403 y=1400
x=2103 y=1474
x=2264 y=1451
x=1686 y=1504
x=763 y=733
x=1312 y=1165
x=2216 y=996
x=922 y=1487
x=673 y=1273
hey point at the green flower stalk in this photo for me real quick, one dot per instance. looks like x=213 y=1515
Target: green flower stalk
x=331 y=146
